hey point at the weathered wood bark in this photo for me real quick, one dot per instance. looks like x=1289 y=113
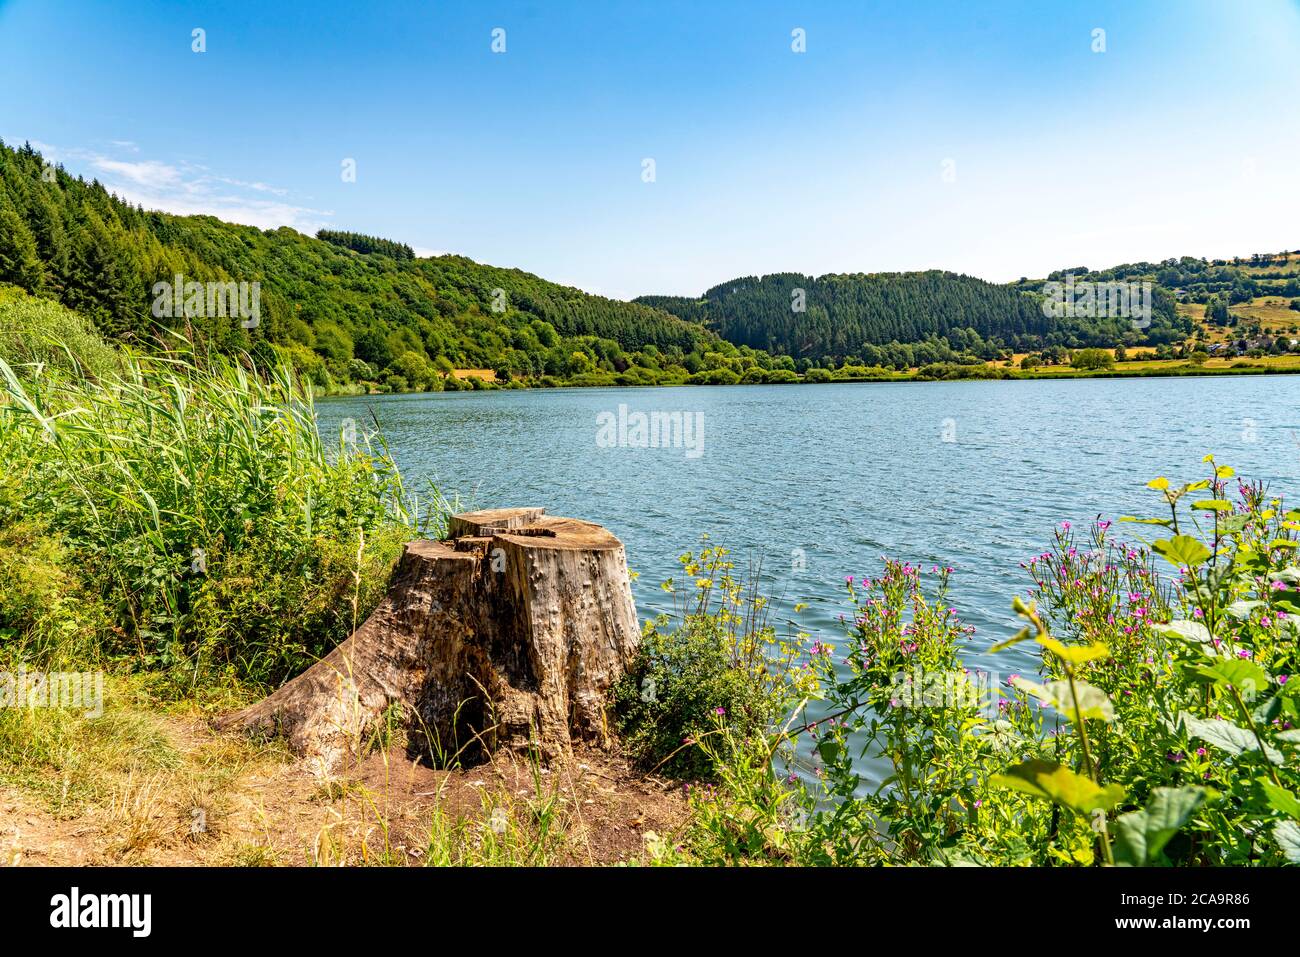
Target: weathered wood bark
x=508 y=634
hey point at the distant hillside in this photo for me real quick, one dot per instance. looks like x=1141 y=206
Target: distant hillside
x=847 y=315
x=344 y=307
x=351 y=310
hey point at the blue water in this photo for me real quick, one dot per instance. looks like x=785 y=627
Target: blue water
x=848 y=472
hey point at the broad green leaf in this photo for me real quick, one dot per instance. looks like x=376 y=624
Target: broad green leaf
x=1212 y=505
x=1224 y=471
x=1284 y=543
x=1287 y=834
x=1159 y=484
x=1054 y=782
x=1075 y=654
x=1226 y=735
x=1241 y=674
x=1141 y=835
x=1184 y=628
x=1290 y=736
x=1167 y=523
x=1182 y=550
x=1280 y=799
x=829 y=750
x=1241 y=609
x=1093 y=702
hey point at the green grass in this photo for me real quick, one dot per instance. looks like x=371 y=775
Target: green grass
x=184 y=512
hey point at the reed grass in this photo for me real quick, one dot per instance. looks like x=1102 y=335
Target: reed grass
x=192 y=496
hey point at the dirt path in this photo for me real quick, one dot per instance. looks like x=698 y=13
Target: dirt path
x=224 y=801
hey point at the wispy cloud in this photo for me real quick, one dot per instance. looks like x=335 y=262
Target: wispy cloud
x=146 y=173
x=189 y=188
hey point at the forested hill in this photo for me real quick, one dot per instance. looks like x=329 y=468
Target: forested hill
x=835 y=316
x=343 y=307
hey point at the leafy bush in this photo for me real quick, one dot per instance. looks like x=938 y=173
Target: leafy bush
x=716 y=669
x=1092 y=359
x=39 y=332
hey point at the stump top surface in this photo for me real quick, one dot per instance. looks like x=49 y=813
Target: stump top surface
x=531 y=528
x=487 y=520
x=551 y=531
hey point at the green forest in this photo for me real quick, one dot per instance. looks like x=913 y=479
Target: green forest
x=867 y=318
x=353 y=312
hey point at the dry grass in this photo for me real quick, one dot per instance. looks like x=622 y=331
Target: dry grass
x=143 y=787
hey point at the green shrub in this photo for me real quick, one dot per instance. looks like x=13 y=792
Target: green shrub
x=1092 y=359
x=716 y=670
x=36 y=331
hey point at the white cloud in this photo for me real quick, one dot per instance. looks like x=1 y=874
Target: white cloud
x=145 y=173
x=191 y=189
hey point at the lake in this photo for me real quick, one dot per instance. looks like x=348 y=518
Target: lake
x=822 y=480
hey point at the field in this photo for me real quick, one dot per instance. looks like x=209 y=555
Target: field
x=1272 y=314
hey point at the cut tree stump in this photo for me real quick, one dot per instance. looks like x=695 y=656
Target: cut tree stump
x=507 y=634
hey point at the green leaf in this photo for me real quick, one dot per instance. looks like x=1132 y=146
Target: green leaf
x=1054 y=782
x=1241 y=609
x=1159 y=484
x=1141 y=835
x=829 y=750
x=1093 y=702
x=1241 y=674
x=1167 y=523
x=1182 y=550
x=1212 y=505
x=1287 y=834
x=1075 y=654
x=1186 y=629
x=1280 y=799
x=1225 y=735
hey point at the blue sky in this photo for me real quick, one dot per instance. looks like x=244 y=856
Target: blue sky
x=987 y=138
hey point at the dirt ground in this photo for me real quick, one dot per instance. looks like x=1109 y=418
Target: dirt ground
x=231 y=803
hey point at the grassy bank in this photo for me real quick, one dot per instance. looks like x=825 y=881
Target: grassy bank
x=176 y=523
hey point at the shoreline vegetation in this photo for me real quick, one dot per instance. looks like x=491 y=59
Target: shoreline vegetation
x=354 y=314
x=174 y=526
x=1166 y=369
x=175 y=523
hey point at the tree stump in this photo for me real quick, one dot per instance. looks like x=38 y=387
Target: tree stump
x=507 y=634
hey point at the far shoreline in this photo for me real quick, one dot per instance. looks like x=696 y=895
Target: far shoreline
x=1012 y=375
